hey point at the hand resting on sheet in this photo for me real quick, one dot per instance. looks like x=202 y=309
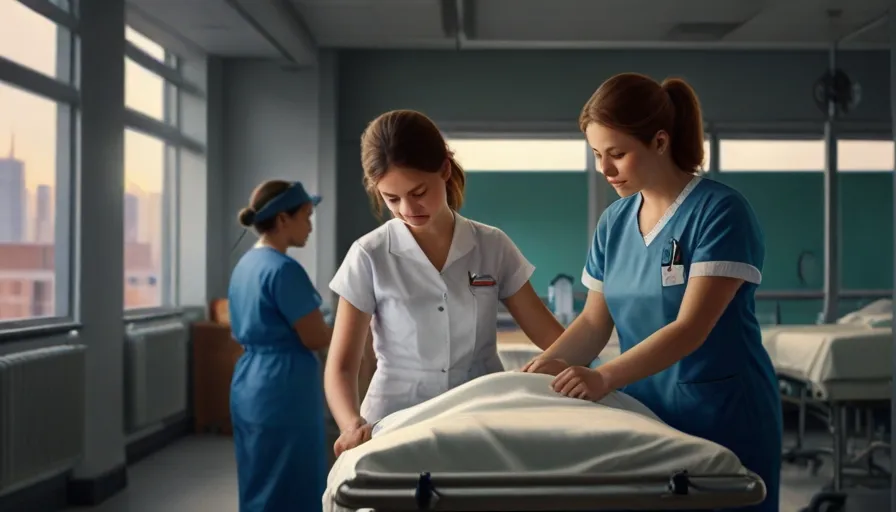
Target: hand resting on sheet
x=514 y=422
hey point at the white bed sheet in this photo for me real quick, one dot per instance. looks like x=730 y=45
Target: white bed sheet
x=877 y=314
x=513 y=422
x=515 y=355
x=841 y=361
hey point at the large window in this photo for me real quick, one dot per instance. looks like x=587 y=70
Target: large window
x=35 y=164
x=154 y=90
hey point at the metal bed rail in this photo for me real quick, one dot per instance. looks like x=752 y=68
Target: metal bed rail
x=525 y=492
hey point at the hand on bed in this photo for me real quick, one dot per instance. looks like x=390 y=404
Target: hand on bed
x=581 y=382
x=352 y=438
x=546 y=366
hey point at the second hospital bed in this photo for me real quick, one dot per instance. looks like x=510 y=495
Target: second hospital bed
x=506 y=441
x=828 y=370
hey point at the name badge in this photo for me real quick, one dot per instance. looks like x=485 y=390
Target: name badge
x=481 y=280
x=672 y=267
x=673 y=275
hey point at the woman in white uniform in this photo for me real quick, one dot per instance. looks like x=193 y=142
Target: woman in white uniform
x=427 y=283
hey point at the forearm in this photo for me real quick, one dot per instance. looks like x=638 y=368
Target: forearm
x=580 y=343
x=653 y=355
x=341 y=389
x=547 y=333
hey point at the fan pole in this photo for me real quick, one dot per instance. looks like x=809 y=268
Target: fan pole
x=830 y=310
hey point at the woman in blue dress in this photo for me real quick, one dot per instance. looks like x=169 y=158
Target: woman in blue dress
x=674 y=266
x=276 y=397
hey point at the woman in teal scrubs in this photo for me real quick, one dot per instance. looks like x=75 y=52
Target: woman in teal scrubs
x=276 y=397
x=674 y=265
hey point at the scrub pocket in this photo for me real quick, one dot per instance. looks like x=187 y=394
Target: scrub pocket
x=714 y=409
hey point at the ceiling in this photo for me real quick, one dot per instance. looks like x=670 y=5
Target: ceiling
x=294 y=29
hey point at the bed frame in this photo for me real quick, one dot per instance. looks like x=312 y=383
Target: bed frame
x=832 y=404
x=380 y=492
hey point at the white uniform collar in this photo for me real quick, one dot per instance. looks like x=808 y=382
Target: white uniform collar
x=402 y=243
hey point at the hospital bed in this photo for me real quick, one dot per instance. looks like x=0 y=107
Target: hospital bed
x=830 y=370
x=506 y=441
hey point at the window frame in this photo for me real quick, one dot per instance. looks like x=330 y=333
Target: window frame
x=169 y=131
x=63 y=91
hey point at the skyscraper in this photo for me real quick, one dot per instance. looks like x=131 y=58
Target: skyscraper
x=43 y=215
x=12 y=197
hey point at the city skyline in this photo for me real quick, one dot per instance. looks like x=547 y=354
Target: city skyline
x=29 y=214
x=28 y=247
x=31 y=119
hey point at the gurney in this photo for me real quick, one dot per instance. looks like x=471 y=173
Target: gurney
x=506 y=441
x=827 y=371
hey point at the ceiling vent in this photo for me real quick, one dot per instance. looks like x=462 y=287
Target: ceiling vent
x=701 y=31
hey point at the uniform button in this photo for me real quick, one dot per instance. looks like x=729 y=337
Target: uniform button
x=441 y=308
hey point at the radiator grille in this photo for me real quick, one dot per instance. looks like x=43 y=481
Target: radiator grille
x=156 y=374
x=41 y=413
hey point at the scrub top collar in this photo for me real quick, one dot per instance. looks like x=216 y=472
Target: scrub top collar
x=402 y=243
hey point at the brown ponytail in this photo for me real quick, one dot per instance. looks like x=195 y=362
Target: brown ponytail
x=637 y=105
x=687 y=127
x=455 y=185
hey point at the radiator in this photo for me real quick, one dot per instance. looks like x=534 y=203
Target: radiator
x=41 y=413
x=155 y=373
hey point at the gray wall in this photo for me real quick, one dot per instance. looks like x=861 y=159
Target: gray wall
x=464 y=89
x=277 y=123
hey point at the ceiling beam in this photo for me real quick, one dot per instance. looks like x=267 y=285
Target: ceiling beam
x=282 y=26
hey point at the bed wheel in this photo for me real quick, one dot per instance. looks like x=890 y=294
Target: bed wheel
x=827 y=502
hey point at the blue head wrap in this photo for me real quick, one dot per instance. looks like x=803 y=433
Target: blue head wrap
x=293 y=197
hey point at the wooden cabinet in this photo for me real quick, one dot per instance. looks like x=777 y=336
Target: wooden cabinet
x=215 y=354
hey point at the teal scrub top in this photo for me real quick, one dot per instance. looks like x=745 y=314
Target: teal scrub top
x=726 y=390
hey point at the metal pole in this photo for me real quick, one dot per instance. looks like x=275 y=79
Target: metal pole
x=892 y=26
x=831 y=208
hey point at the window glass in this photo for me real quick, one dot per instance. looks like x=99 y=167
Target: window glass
x=144 y=90
x=866 y=155
x=771 y=155
x=520 y=154
x=154 y=49
x=28 y=207
x=144 y=242
x=28 y=38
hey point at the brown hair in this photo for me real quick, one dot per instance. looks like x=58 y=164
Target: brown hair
x=408 y=139
x=637 y=105
x=261 y=196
